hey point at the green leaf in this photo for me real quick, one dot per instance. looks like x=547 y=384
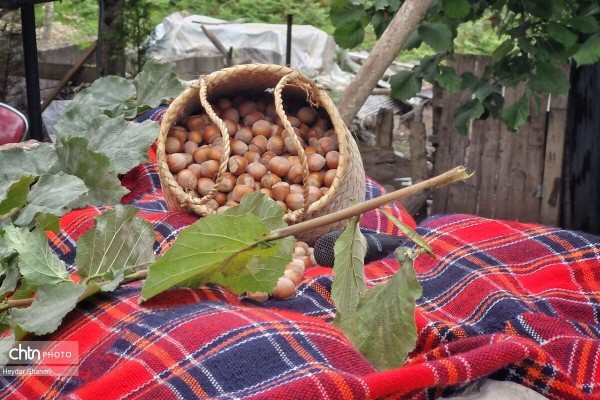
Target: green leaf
x=6 y=343
x=561 y=34
x=11 y=278
x=383 y=327
x=584 y=24
x=516 y=114
x=17 y=162
x=37 y=263
x=448 y=79
x=13 y=192
x=52 y=194
x=589 y=52
x=405 y=84
x=250 y=271
x=212 y=245
x=108 y=94
x=503 y=50
x=93 y=168
x=156 y=83
x=257 y=203
x=549 y=79
x=47 y=222
x=118 y=243
x=457 y=9
x=50 y=305
x=349 y=284
x=76 y=120
x=124 y=143
x=437 y=35
x=408 y=232
x=349 y=34
x=464 y=113
x=344 y=11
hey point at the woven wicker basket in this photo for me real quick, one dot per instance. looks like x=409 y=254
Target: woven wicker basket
x=288 y=87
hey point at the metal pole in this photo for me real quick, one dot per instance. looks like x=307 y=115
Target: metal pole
x=288 y=49
x=32 y=81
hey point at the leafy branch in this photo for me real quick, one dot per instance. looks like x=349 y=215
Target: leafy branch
x=246 y=249
x=535 y=38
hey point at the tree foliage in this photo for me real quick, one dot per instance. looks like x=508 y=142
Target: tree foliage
x=539 y=36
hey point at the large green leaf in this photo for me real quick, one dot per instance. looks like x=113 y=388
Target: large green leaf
x=549 y=79
x=405 y=84
x=117 y=244
x=589 y=52
x=257 y=203
x=457 y=9
x=561 y=34
x=516 y=114
x=342 y=11
x=448 y=79
x=349 y=34
x=11 y=277
x=13 y=192
x=156 y=84
x=210 y=246
x=52 y=194
x=124 y=143
x=383 y=327
x=76 y=120
x=49 y=307
x=437 y=35
x=258 y=270
x=6 y=343
x=466 y=112
x=584 y=24
x=349 y=284
x=37 y=263
x=17 y=162
x=93 y=168
x=108 y=94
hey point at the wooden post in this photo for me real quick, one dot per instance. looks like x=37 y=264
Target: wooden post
x=384 y=128
x=69 y=75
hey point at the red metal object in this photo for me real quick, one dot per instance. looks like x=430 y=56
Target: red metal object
x=13 y=125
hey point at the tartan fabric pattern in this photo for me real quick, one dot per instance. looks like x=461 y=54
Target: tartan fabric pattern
x=502 y=299
x=505 y=300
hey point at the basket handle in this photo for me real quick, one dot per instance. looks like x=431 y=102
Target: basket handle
x=198 y=202
x=295 y=78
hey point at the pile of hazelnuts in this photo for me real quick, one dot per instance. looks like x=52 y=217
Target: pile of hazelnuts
x=263 y=156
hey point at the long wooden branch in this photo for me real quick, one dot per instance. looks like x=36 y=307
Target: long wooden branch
x=383 y=54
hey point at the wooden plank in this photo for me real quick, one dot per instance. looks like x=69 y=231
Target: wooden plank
x=384 y=128
x=69 y=75
x=56 y=72
x=487 y=173
x=452 y=145
x=536 y=138
x=517 y=167
x=553 y=158
x=503 y=181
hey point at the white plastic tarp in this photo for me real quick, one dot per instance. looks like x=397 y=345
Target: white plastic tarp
x=178 y=36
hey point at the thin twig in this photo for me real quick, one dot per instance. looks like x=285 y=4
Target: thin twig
x=9 y=214
x=90 y=291
x=453 y=175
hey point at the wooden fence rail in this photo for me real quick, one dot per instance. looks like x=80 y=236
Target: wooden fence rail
x=517 y=175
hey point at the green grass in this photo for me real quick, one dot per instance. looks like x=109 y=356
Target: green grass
x=473 y=38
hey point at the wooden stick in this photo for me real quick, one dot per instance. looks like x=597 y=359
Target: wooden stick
x=453 y=175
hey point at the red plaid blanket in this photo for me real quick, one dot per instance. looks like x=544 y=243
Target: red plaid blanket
x=505 y=300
